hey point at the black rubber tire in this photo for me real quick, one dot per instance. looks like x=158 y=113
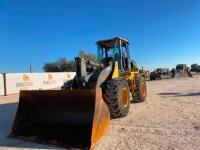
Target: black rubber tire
x=113 y=97
x=153 y=77
x=138 y=96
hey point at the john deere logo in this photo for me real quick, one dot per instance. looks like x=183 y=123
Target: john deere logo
x=50 y=77
x=26 y=78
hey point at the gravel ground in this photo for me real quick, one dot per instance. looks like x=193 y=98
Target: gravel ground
x=168 y=119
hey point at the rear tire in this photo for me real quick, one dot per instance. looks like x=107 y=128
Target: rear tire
x=141 y=90
x=117 y=97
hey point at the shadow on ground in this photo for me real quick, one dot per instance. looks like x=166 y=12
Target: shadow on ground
x=179 y=94
x=7 y=115
x=170 y=94
x=190 y=94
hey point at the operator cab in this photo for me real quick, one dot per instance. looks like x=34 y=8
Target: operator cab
x=116 y=49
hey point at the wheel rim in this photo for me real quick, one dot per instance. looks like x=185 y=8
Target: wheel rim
x=143 y=89
x=125 y=97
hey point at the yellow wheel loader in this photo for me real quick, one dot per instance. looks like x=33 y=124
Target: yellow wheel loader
x=78 y=115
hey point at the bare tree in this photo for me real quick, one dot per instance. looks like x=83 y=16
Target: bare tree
x=87 y=56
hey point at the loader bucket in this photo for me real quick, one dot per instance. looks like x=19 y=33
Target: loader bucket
x=67 y=118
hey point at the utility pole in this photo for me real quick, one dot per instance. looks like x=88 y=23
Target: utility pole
x=30 y=69
x=4 y=83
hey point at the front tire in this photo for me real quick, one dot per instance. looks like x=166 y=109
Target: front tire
x=117 y=97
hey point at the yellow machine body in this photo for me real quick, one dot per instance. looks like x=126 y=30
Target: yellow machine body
x=130 y=76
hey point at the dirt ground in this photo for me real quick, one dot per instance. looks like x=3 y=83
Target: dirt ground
x=168 y=119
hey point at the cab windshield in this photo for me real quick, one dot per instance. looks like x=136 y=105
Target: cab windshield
x=107 y=52
x=107 y=49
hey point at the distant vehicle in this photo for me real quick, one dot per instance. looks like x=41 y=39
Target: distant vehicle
x=164 y=71
x=181 y=67
x=155 y=75
x=198 y=69
x=182 y=70
x=159 y=73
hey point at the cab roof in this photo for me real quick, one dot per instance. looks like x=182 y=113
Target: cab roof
x=111 y=42
x=112 y=39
